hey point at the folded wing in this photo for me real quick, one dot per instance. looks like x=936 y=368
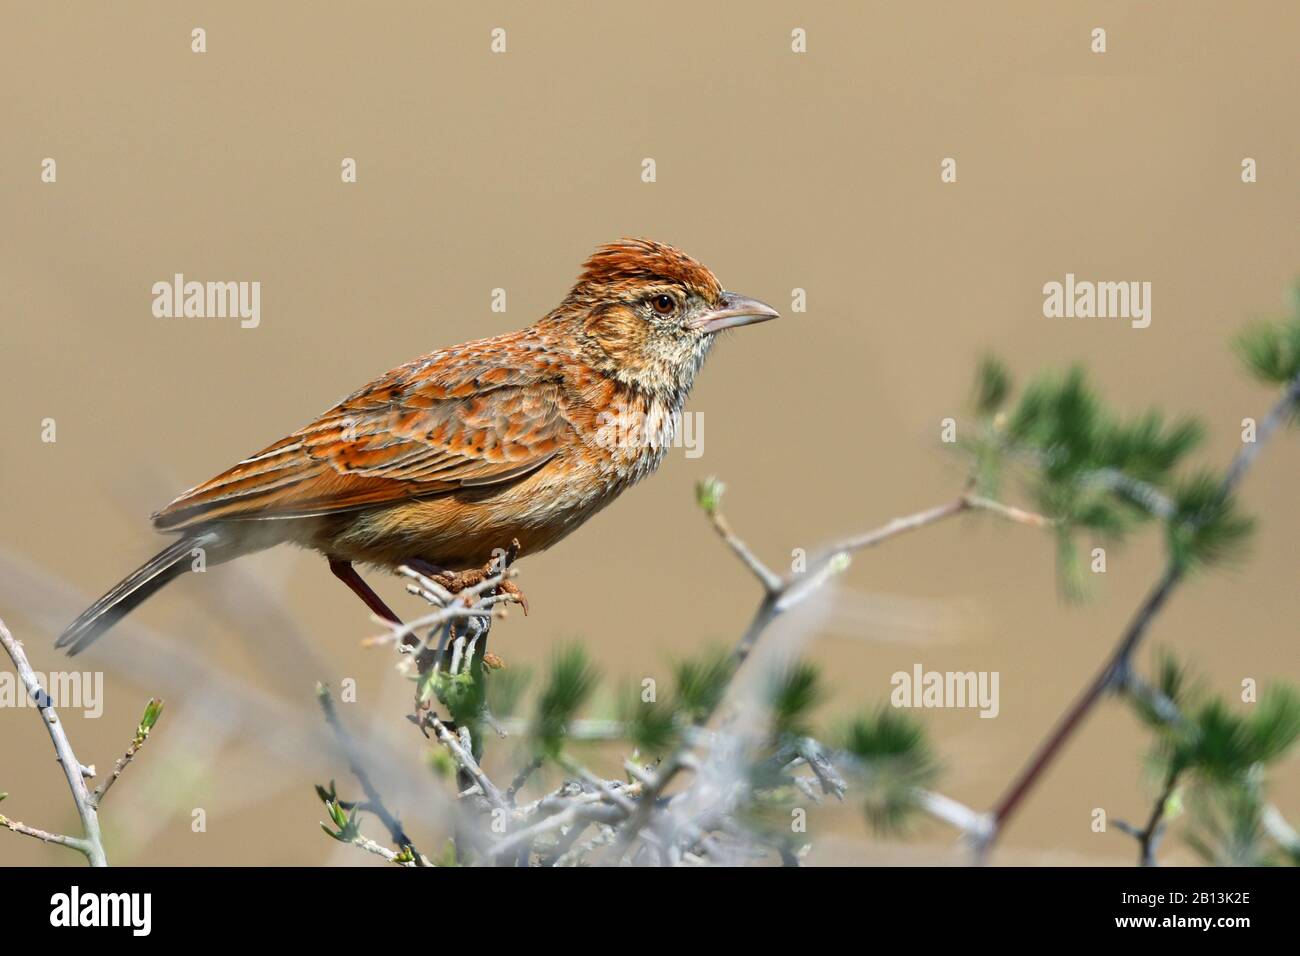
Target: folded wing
x=477 y=415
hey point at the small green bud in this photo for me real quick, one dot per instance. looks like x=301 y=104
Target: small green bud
x=152 y=711
x=708 y=494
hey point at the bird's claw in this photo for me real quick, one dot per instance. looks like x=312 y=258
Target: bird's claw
x=458 y=581
x=516 y=593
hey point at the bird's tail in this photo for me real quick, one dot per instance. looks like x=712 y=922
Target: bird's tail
x=134 y=589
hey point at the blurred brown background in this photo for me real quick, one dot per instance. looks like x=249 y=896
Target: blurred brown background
x=818 y=171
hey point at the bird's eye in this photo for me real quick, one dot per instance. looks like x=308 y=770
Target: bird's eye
x=663 y=304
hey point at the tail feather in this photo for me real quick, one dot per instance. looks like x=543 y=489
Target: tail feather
x=131 y=591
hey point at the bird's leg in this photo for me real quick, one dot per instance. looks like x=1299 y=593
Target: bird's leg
x=344 y=571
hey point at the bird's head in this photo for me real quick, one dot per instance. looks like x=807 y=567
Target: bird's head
x=647 y=314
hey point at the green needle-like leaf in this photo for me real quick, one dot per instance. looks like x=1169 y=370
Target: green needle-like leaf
x=569 y=684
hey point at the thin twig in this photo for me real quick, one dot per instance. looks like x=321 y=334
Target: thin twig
x=569 y=816
x=974 y=825
x=770 y=580
x=1149 y=839
x=521 y=778
x=902 y=525
x=431 y=621
x=45 y=837
x=1010 y=513
x=374 y=802
x=467 y=763
x=392 y=856
x=92 y=843
x=141 y=735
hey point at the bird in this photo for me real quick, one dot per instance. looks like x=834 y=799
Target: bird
x=439 y=463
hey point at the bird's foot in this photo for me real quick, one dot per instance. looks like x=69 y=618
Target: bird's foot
x=458 y=581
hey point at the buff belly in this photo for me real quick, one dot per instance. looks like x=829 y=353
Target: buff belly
x=462 y=530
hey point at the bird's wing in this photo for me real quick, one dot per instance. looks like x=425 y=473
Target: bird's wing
x=476 y=415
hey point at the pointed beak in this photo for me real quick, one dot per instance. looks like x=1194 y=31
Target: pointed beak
x=736 y=310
